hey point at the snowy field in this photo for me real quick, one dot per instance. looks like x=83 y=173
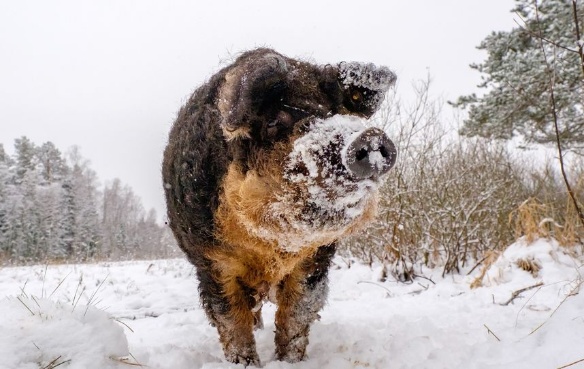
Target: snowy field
x=114 y=315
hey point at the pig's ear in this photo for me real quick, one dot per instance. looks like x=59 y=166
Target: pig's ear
x=248 y=86
x=364 y=86
x=369 y=76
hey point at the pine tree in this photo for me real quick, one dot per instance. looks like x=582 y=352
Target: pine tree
x=4 y=208
x=25 y=156
x=80 y=208
x=52 y=163
x=522 y=68
x=27 y=223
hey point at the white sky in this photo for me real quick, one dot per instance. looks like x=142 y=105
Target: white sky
x=110 y=75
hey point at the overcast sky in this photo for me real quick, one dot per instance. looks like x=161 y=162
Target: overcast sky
x=110 y=75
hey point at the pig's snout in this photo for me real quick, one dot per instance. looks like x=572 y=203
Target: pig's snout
x=370 y=155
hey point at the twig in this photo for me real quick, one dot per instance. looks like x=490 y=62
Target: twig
x=573 y=363
x=423 y=277
x=477 y=264
x=516 y=294
x=491 y=332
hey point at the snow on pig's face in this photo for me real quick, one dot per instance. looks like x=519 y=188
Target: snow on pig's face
x=331 y=178
x=306 y=168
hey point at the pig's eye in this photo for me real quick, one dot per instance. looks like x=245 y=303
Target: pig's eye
x=280 y=125
x=356 y=96
x=272 y=128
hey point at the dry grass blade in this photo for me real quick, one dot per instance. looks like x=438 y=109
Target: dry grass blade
x=124 y=324
x=94 y=293
x=535 y=219
x=54 y=363
x=491 y=332
x=530 y=265
x=35 y=301
x=59 y=285
x=489 y=259
x=124 y=360
x=25 y=305
x=376 y=284
x=77 y=295
x=527 y=219
x=22 y=289
x=572 y=363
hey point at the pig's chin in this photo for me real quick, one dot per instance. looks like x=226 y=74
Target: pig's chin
x=334 y=207
x=320 y=220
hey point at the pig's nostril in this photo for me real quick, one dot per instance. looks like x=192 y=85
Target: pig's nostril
x=383 y=151
x=362 y=154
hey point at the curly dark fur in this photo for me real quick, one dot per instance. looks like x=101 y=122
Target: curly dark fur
x=238 y=127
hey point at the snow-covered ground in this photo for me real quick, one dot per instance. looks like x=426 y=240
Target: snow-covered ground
x=110 y=315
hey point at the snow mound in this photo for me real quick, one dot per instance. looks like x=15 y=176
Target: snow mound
x=40 y=333
x=543 y=260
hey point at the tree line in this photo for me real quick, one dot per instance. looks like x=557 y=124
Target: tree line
x=52 y=208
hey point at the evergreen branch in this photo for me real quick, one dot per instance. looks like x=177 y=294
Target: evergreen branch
x=540 y=36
